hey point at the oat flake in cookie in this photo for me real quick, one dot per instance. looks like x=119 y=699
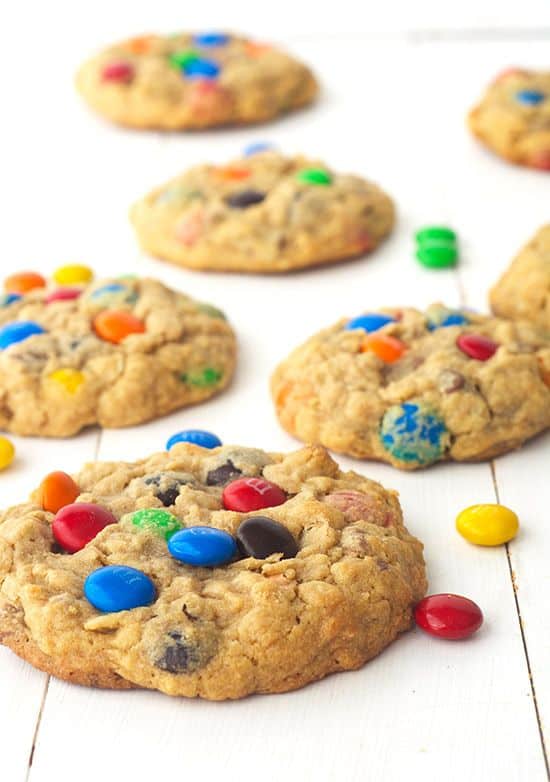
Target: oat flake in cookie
x=523 y=291
x=412 y=388
x=192 y=81
x=115 y=353
x=262 y=213
x=513 y=117
x=320 y=583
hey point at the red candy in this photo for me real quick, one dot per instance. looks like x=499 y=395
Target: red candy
x=448 y=616
x=119 y=72
x=76 y=525
x=476 y=346
x=246 y=494
x=541 y=160
x=63 y=294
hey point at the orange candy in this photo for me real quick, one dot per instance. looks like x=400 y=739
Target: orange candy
x=23 y=282
x=116 y=325
x=141 y=44
x=254 y=49
x=57 y=490
x=387 y=348
x=232 y=173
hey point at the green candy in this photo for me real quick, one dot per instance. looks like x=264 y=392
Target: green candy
x=156 y=520
x=183 y=58
x=314 y=176
x=208 y=309
x=203 y=379
x=435 y=232
x=437 y=255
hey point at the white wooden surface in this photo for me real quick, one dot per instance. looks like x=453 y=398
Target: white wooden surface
x=398 y=78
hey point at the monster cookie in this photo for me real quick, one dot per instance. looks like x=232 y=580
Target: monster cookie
x=190 y=81
x=513 y=117
x=263 y=213
x=412 y=388
x=164 y=575
x=116 y=352
x=523 y=292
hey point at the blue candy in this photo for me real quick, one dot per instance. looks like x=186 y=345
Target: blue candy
x=18 y=331
x=258 y=146
x=201 y=69
x=113 y=287
x=196 y=437
x=210 y=39
x=454 y=319
x=411 y=432
x=8 y=298
x=370 y=322
x=202 y=546
x=118 y=588
x=530 y=97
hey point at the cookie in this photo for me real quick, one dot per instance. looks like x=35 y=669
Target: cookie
x=260 y=578
x=262 y=213
x=523 y=291
x=412 y=388
x=193 y=81
x=115 y=353
x=513 y=117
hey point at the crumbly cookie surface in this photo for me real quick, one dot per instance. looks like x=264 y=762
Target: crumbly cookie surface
x=523 y=291
x=57 y=382
x=193 y=81
x=513 y=117
x=430 y=400
x=252 y=625
x=263 y=213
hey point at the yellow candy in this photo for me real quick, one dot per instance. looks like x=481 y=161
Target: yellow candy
x=487 y=525
x=7 y=452
x=73 y=275
x=70 y=379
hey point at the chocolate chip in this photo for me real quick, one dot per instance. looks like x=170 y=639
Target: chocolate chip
x=178 y=657
x=168 y=486
x=169 y=496
x=222 y=475
x=449 y=381
x=260 y=536
x=244 y=199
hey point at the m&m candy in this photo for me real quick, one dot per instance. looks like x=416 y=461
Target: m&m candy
x=202 y=546
x=7 y=452
x=120 y=72
x=388 y=349
x=115 y=325
x=23 y=282
x=477 y=346
x=257 y=147
x=118 y=588
x=57 y=490
x=438 y=233
x=487 y=525
x=75 y=274
x=530 y=97
x=448 y=616
x=8 y=298
x=182 y=58
x=314 y=176
x=196 y=437
x=436 y=246
x=211 y=39
x=412 y=432
x=260 y=537
x=247 y=494
x=68 y=378
x=201 y=69
x=63 y=294
x=18 y=331
x=156 y=520
x=77 y=524
x=245 y=198
x=369 y=322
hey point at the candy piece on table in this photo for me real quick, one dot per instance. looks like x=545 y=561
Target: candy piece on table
x=118 y=588
x=156 y=520
x=198 y=437
x=70 y=379
x=74 y=274
x=257 y=148
x=530 y=97
x=201 y=69
x=487 y=525
x=369 y=322
x=18 y=331
x=211 y=39
x=119 y=72
x=7 y=452
x=63 y=294
x=448 y=616
x=249 y=494
x=23 y=282
x=435 y=233
x=244 y=199
x=202 y=546
x=436 y=255
x=9 y=298
x=115 y=325
x=387 y=348
x=77 y=524
x=477 y=346
x=314 y=176
x=57 y=490
x=411 y=432
x=260 y=537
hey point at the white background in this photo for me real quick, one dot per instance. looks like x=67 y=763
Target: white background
x=398 y=78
